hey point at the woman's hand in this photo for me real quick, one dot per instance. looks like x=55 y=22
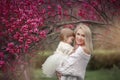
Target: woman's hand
x=58 y=75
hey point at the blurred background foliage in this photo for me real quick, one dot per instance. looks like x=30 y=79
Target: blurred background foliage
x=105 y=61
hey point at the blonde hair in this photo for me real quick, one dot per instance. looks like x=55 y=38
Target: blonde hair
x=88 y=36
x=65 y=33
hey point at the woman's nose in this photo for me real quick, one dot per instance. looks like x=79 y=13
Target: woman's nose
x=80 y=37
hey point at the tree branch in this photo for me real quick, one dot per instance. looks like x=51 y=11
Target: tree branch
x=80 y=21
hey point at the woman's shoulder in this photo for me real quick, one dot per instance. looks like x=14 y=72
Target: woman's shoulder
x=85 y=50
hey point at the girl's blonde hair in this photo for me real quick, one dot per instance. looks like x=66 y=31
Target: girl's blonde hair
x=65 y=33
x=88 y=36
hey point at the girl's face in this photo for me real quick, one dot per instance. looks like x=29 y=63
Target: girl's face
x=70 y=39
x=80 y=37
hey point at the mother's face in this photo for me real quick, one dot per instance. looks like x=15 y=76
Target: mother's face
x=80 y=37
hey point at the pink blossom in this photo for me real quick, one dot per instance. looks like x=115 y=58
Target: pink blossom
x=20 y=46
x=41 y=1
x=4 y=20
x=42 y=34
x=7 y=49
x=86 y=6
x=36 y=30
x=69 y=3
x=10 y=50
x=17 y=49
x=1 y=55
x=94 y=3
x=11 y=45
x=17 y=35
x=24 y=28
x=66 y=13
x=26 y=35
x=49 y=7
x=21 y=39
x=31 y=31
x=93 y=17
x=28 y=41
x=59 y=7
x=43 y=11
x=49 y=13
x=59 y=12
x=35 y=39
x=10 y=30
x=81 y=13
x=2 y=63
x=13 y=27
x=34 y=24
x=69 y=26
x=29 y=21
x=41 y=23
x=26 y=47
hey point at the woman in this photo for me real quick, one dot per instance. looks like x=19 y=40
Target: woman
x=74 y=67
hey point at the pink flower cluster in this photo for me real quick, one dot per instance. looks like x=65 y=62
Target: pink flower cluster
x=20 y=27
x=2 y=62
x=69 y=26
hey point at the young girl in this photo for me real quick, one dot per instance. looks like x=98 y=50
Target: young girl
x=63 y=50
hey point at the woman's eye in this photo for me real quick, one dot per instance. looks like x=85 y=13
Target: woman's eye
x=83 y=35
x=78 y=34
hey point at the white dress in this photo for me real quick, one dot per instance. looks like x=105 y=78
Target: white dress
x=62 y=52
x=74 y=67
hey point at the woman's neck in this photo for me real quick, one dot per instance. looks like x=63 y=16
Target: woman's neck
x=77 y=45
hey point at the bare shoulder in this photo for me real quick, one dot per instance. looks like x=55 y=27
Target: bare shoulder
x=86 y=50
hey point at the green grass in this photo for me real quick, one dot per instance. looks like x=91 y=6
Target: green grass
x=104 y=74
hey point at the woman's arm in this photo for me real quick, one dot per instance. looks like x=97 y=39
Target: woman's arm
x=71 y=60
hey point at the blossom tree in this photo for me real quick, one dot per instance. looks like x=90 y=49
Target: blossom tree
x=24 y=23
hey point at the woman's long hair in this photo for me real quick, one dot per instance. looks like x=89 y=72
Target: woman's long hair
x=88 y=36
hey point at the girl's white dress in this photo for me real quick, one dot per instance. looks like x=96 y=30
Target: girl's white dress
x=62 y=52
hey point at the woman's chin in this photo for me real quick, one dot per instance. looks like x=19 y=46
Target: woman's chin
x=81 y=44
